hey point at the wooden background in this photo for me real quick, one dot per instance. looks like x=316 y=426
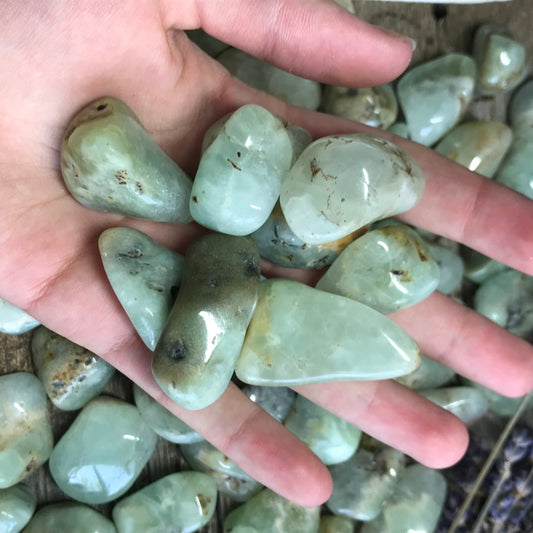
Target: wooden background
x=438 y=29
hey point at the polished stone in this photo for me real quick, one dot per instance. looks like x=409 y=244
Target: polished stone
x=71 y=374
x=180 y=502
x=330 y=438
x=341 y=183
x=451 y=268
x=17 y=505
x=26 y=439
x=196 y=355
x=521 y=108
x=479 y=146
x=162 y=421
x=388 y=269
x=276 y=401
x=301 y=335
x=206 y=42
x=400 y=129
x=300 y=139
x=15 y=321
x=267 y=512
x=110 y=163
x=479 y=267
x=347 y=4
x=435 y=95
x=104 y=450
x=69 y=517
x=335 y=524
x=428 y=375
x=145 y=277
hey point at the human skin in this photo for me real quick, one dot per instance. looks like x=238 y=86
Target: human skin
x=57 y=56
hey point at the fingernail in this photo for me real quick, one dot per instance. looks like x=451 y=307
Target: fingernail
x=412 y=41
x=399 y=36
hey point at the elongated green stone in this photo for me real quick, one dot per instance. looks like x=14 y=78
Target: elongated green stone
x=343 y=182
x=17 y=505
x=428 y=375
x=206 y=42
x=110 y=163
x=451 y=268
x=71 y=517
x=480 y=146
x=335 y=524
x=521 y=108
x=26 y=440
x=145 y=277
x=181 y=502
x=15 y=321
x=435 y=95
x=196 y=355
x=102 y=453
x=276 y=401
x=267 y=512
x=301 y=335
x=239 y=177
x=71 y=374
x=400 y=129
x=388 y=269
x=479 y=267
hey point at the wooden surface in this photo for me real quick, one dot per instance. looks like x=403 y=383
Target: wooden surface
x=438 y=29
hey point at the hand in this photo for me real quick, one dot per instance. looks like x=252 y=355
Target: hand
x=59 y=56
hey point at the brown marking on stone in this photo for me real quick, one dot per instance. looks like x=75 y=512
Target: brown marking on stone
x=204 y=503
x=404 y=275
x=195 y=199
x=122 y=177
x=233 y=164
x=315 y=169
x=110 y=197
x=139 y=186
x=421 y=254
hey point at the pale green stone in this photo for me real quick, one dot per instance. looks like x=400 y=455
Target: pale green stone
x=521 y=108
x=26 y=439
x=300 y=139
x=388 y=269
x=17 y=505
x=267 y=512
x=479 y=146
x=347 y=4
x=429 y=374
x=69 y=517
x=145 y=277
x=479 y=267
x=14 y=320
x=415 y=505
x=330 y=438
x=102 y=453
x=276 y=401
x=240 y=173
x=435 y=95
x=400 y=129
x=110 y=163
x=71 y=374
x=451 y=268
x=301 y=335
x=343 y=182
x=206 y=42
x=467 y=403
x=162 y=421
x=335 y=524
x=182 y=503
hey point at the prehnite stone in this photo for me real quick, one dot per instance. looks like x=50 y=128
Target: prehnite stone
x=330 y=438
x=181 y=502
x=14 y=320
x=521 y=108
x=196 y=355
x=388 y=269
x=435 y=95
x=17 y=505
x=26 y=440
x=110 y=163
x=335 y=524
x=375 y=106
x=206 y=42
x=239 y=177
x=71 y=517
x=362 y=484
x=479 y=267
x=267 y=512
x=428 y=375
x=300 y=139
x=102 y=453
x=451 y=268
x=400 y=129
x=343 y=182
x=276 y=401
x=480 y=146
x=501 y=60
x=162 y=421
x=301 y=335
x=71 y=374
x=145 y=277
x=415 y=505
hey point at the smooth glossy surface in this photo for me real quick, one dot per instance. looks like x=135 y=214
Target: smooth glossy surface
x=428 y=375
x=276 y=401
x=343 y=182
x=479 y=267
x=521 y=108
x=400 y=128
x=14 y=320
x=451 y=268
x=335 y=524
x=17 y=505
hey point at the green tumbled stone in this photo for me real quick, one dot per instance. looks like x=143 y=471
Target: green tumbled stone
x=102 y=453
x=206 y=42
x=343 y=182
x=435 y=95
x=276 y=401
x=451 y=268
x=388 y=269
x=415 y=505
x=162 y=421
x=239 y=177
x=335 y=524
x=428 y=375
x=110 y=163
x=26 y=440
x=347 y=4
x=501 y=60
x=15 y=321
x=196 y=355
x=71 y=374
x=145 y=277
x=330 y=438
x=480 y=146
x=400 y=129
x=267 y=512
x=69 y=517
x=479 y=267
x=521 y=108
x=182 y=503
x=301 y=335
x=17 y=505
x=300 y=139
